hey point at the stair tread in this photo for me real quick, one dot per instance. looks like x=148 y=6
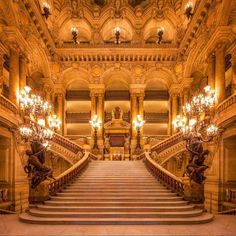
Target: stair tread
x=203 y=217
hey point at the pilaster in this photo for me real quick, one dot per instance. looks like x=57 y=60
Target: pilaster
x=14 y=74
x=220 y=73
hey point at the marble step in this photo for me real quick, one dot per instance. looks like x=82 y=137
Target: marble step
x=204 y=218
x=115 y=203
x=114 y=199
x=116 y=208
x=115 y=214
x=118 y=194
x=115 y=191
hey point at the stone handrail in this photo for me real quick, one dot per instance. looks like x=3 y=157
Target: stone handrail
x=66 y=143
x=172 y=181
x=6 y=103
x=68 y=175
x=226 y=103
x=167 y=143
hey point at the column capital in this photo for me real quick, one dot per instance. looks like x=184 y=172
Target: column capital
x=97 y=89
x=186 y=83
x=59 y=89
x=175 y=89
x=137 y=89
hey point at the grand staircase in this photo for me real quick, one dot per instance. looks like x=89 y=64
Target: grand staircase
x=116 y=192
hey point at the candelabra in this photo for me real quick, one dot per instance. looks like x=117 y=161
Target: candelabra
x=160 y=32
x=38 y=129
x=117 y=31
x=138 y=124
x=197 y=127
x=96 y=124
x=74 y=32
x=46 y=10
x=188 y=9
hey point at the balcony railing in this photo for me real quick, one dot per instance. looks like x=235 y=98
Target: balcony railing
x=7 y=104
x=164 y=176
x=226 y=104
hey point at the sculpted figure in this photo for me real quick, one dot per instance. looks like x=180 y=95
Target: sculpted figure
x=196 y=167
x=35 y=167
x=127 y=144
x=107 y=146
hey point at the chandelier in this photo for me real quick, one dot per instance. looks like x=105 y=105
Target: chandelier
x=38 y=129
x=197 y=128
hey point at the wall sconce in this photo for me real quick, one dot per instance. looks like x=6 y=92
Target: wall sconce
x=188 y=9
x=46 y=10
x=74 y=32
x=160 y=32
x=117 y=31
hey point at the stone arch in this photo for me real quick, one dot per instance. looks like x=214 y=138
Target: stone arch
x=72 y=75
x=162 y=75
x=113 y=77
x=107 y=30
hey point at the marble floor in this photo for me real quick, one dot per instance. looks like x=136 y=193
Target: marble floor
x=221 y=225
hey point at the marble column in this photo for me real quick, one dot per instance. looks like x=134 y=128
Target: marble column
x=141 y=112
x=234 y=73
x=101 y=114
x=60 y=110
x=1 y=73
x=93 y=112
x=220 y=74
x=185 y=96
x=174 y=109
x=14 y=75
x=47 y=93
x=211 y=71
x=133 y=113
x=22 y=72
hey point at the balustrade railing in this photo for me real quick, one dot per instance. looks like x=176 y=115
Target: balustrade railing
x=167 y=143
x=3 y=194
x=66 y=143
x=7 y=104
x=66 y=177
x=231 y=195
x=226 y=103
x=164 y=176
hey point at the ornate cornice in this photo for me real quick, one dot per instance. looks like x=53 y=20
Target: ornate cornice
x=195 y=23
x=117 y=54
x=36 y=16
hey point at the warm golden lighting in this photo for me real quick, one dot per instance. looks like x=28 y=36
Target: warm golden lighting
x=139 y=122
x=95 y=122
x=37 y=112
x=194 y=114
